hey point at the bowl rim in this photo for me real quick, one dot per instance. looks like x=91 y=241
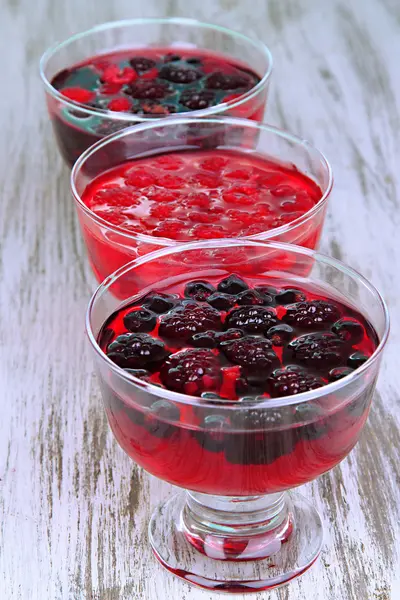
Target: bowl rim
x=268 y=403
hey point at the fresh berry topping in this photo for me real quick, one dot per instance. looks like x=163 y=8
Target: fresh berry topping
x=199 y=290
x=187 y=319
x=251 y=352
x=232 y=285
x=78 y=94
x=139 y=373
x=136 y=350
x=114 y=75
x=289 y=296
x=158 y=302
x=197 y=100
x=191 y=372
x=158 y=419
x=142 y=64
x=349 y=330
x=119 y=105
x=253 y=319
x=314 y=314
x=176 y=74
x=318 y=350
x=221 y=81
x=338 y=373
x=149 y=90
x=207 y=339
x=249 y=298
x=140 y=319
x=357 y=359
x=221 y=301
x=280 y=334
x=292 y=380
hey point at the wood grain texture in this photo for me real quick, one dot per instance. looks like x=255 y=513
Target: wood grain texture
x=73 y=507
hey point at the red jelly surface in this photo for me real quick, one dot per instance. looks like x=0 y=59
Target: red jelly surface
x=198 y=195
x=147 y=82
x=237 y=340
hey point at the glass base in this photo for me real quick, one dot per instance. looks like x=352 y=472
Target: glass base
x=236 y=545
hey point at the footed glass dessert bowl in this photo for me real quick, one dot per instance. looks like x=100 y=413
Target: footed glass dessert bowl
x=237 y=370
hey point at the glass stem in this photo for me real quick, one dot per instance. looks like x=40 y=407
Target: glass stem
x=237 y=528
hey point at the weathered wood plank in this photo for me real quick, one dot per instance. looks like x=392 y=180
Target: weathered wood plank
x=74 y=509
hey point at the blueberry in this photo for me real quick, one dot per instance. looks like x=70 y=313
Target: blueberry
x=158 y=302
x=349 y=330
x=211 y=435
x=249 y=298
x=199 y=290
x=160 y=412
x=232 y=285
x=221 y=301
x=339 y=373
x=140 y=319
x=205 y=339
x=289 y=296
x=357 y=359
x=280 y=334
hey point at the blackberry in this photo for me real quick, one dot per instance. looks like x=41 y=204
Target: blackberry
x=197 y=100
x=313 y=314
x=136 y=350
x=191 y=372
x=189 y=318
x=199 y=290
x=290 y=381
x=252 y=319
x=320 y=351
x=142 y=64
x=176 y=74
x=140 y=319
x=221 y=81
x=149 y=90
x=232 y=285
x=251 y=352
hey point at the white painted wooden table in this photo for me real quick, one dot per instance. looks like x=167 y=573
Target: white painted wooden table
x=74 y=508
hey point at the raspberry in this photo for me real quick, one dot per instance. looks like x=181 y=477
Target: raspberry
x=140 y=178
x=77 y=94
x=221 y=301
x=215 y=164
x=289 y=296
x=249 y=298
x=357 y=359
x=154 y=108
x=136 y=350
x=208 y=232
x=283 y=191
x=177 y=74
x=232 y=285
x=252 y=319
x=168 y=229
x=158 y=302
x=244 y=194
x=314 y=314
x=119 y=105
x=140 y=319
x=199 y=290
x=243 y=174
x=113 y=218
x=318 y=350
x=168 y=163
x=194 y=100
x=162 y=211
x=338 y=373
x=235 y=215
x=159 y=195
x=149 y=90
x=116 y=196
x=280 y=334
x=220 y=81
x=172 y=182
x=349 y=330
x=187 y=319
x=142 y=64
x=207 y=181
x=292 y=380
x=191 y=372
x=197 y=199
x=113 y=74
x=110 y=89
x=252 y=352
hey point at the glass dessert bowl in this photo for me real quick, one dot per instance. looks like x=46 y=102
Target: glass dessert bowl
x=120 y=73
x=229 y=373
x=158 y=184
